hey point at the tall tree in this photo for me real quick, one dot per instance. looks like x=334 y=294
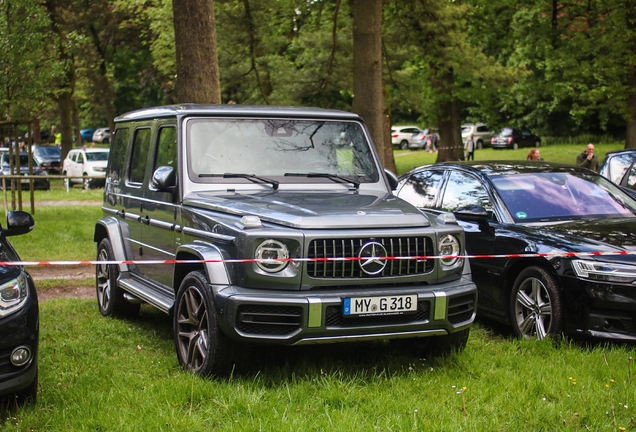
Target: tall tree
x=368 y=90
x=195 y=43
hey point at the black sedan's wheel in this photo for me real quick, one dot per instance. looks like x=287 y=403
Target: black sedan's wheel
x=404 y=144
x=535 y=304
x=537 y=143
x=515 y=146
x=201 y=346
x=110 y=298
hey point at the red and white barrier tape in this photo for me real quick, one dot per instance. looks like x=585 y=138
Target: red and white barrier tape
x=253 y=260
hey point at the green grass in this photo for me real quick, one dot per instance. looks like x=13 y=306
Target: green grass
x=406 y=160
x=102 y=374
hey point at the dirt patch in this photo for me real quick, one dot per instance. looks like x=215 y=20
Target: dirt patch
x=66 y=273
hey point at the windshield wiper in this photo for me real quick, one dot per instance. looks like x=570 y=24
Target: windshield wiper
x=251 y=177
x=333 y=177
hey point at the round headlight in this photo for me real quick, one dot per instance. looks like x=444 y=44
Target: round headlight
x=449 y=249
x=269 y=251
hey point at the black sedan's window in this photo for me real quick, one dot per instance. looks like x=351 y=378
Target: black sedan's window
x=463 y=190
x=422 y=188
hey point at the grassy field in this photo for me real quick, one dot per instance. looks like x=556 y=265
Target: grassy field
x=103 y=374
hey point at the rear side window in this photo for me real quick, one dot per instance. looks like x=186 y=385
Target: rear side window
x=139 y=155
x=464 y=190
x=117 y=157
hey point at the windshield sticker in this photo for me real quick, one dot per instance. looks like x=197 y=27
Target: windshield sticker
x=521 y=215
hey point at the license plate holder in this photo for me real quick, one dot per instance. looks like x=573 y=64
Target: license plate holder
x=379 y=305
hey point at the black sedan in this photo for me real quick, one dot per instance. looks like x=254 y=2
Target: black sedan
x=620 y=167
x=571 y=234
x=19 y=319
x=513 y=138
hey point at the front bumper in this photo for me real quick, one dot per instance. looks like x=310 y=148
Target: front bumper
x=600 y=310
x=315 y=316
x=19 y=329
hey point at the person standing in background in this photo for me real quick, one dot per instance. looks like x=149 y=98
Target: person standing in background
x=588 y=159
x=469 y=147
x=534 y=155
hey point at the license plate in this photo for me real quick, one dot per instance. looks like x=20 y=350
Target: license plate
x=380 y=305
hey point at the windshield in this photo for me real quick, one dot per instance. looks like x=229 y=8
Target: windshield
x=97 y=156
x=51 y=152
x=539 y=197
x=24 y=159
x=273 y=148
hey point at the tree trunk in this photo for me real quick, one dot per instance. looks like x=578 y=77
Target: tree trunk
x=368 y=92
x=195 y=45
x=451 y=147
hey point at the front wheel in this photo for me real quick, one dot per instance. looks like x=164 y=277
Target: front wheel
x=404 y=144
x=110 y=298
x=536 y=307
x=515 y=146
x=201 y=346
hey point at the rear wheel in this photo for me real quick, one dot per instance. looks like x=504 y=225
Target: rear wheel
x=404 y=144
x=480 y=144
x=537 y=143
x=201 y=346
x=535 y=304
x=110 y=298
x=515 y=146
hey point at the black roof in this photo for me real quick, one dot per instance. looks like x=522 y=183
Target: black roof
x=234 y=110
x=491 y=168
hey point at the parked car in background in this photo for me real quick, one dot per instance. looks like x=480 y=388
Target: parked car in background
x=509 y=137
x=87 y=134
x=42 y=182
x=19 y=320
x=48 y=157
x=532 y=224
x=482 y=134
x=419 y=140
x=101 y=135
x=620 y=167
x=89 y=162
x=400 y=135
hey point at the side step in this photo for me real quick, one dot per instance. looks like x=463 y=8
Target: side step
x=144 y=293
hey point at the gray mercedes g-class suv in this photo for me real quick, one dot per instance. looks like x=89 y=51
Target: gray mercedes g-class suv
x=271 y=225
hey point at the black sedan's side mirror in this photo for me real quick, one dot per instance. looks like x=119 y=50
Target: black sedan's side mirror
x=18 y=222
x=164 y=179
x=474 y=213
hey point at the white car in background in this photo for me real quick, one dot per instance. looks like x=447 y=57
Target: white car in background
x=401 y=135
x=82 y=162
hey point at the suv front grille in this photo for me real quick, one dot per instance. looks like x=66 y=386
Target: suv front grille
x=349 y=249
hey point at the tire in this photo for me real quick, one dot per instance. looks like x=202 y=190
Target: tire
x=404 y=144
x=537 y=143
x=536 y=308
x=28 y=395
x=480 y=144
x=515 y=146
x=201 y=346
x=441 y=346
x=110 y=298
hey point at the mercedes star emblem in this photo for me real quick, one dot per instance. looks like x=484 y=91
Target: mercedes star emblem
x=372 y=256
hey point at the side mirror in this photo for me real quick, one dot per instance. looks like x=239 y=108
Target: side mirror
x=392 y=178
x=164 y=179
x=18 y=222
x=474 y=213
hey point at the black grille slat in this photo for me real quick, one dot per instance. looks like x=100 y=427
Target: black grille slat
x=323 y=251
x=271 y=320
x=460 y=308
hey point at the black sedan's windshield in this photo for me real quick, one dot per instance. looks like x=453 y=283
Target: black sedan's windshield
x=538 y=197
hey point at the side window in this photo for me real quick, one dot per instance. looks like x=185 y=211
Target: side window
x=482 y=129
x=421 y=189
x=80 y=158
x=631 y=178
x=463 y=190
x=167 y=151
x=117 y=156
x=73 y=156
x=139 y=155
